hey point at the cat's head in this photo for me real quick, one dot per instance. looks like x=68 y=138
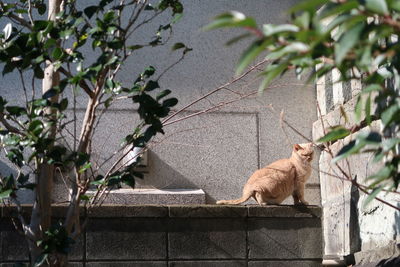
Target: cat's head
x=304 y=151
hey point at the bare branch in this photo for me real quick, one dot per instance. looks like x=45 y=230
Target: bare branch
x=30 y=12
x=251 y=69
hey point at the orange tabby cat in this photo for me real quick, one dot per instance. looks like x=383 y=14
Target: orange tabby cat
x=275 y=182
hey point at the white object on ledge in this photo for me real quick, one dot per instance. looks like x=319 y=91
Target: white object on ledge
x=154 y=196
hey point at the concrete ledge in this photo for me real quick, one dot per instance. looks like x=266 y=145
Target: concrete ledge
x=185 y=235
x=285 y=211
x=180 y=211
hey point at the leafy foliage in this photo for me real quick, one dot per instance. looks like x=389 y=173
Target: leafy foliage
x=33 y=134
x=358 y=38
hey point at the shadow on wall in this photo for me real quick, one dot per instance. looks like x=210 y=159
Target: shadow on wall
x=5 y=169
x=163 y=176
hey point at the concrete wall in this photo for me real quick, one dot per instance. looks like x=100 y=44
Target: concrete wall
x=352 y=231
x=216 y=152
x=209 y=236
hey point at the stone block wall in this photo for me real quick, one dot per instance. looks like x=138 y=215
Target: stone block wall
x=352 y=232
x=204 y=235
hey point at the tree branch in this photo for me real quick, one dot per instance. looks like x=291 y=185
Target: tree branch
x=82 y=83
x=8 y=126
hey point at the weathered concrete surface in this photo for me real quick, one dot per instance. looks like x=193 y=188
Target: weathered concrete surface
x=189 y=235
x=285 y=238
x=216 y=152
x=207 y=239
x=124 y=239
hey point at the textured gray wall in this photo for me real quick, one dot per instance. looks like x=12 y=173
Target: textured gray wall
x=198 y=235
x=220 y=150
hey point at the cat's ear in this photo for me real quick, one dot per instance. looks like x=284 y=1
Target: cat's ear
x=297 y=147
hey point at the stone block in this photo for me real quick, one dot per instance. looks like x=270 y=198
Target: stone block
x=126 y=239
x=283 y=263
x=207 y=239
x=207 y=211
x=13 y=245
x=127 y=264
x=127 y=196
x=219 y=263
x=285 y=238
x=126 y=211
x=297 y=211
x=336 y=117
x=75 y=264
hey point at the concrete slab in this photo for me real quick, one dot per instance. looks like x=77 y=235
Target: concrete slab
x=125 y=239
x=206 y=239
x=285 y=238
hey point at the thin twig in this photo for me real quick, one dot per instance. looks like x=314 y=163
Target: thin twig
x=251 y=69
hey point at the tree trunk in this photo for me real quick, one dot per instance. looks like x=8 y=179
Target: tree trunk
x=41 y=213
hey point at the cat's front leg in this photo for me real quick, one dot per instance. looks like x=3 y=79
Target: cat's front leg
x=298 y=195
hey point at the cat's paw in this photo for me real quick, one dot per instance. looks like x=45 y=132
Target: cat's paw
x=302 y=203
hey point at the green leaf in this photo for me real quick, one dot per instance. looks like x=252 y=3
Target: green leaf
x=394 y=4
x=250 y=54
x=390 y=114
x=368 y=110
x=38 y=72
x=358 y=109
x=389 y=144
x=336 y=133
x=347 y=41
x=36 y=127
x=7 y=31
x=177 y=46
x=347 y=150
x=151 y=85
x=337 y=8
x=372 y=88
x=231 y=19
x=238 y=38
x=41 y=7
x=84 y=197
x=271 y=73
x=6 y=193
x=370 y=138
x=135 y=47
x=64 y=104
x=170 y=102
x=85 y=167
x=377 y=6
x=15 y=110
x=271 y=29
x=50 y=93
x=41 y=260
x=163 y=94
x=57 y=53
x=372 y=195
x=295 y=47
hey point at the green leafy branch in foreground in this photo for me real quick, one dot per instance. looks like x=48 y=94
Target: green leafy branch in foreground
x=358 y=38
x=77 y=55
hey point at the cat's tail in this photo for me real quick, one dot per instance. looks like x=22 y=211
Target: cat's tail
x=244 y=198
